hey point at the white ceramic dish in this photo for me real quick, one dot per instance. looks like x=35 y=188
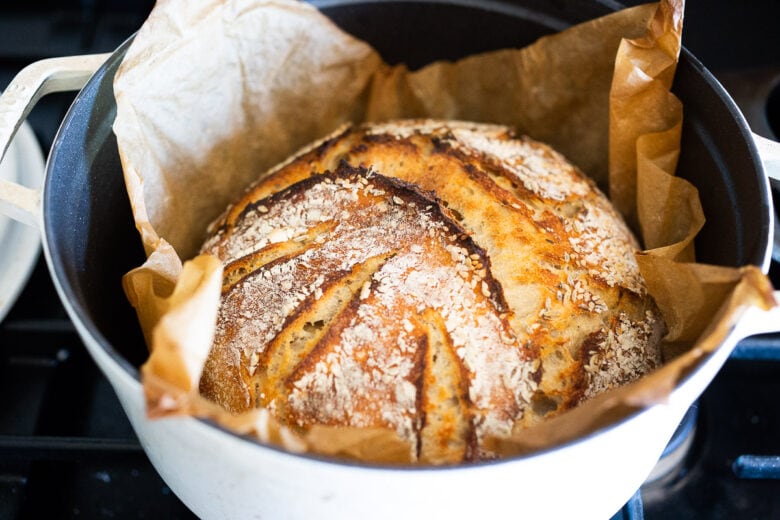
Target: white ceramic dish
x=20 y=244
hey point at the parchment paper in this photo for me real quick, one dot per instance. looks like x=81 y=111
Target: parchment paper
x=213 y=93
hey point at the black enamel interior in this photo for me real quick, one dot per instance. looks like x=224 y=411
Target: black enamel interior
x=88 y=224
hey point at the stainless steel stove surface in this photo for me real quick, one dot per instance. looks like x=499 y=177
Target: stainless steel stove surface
x=68 y=451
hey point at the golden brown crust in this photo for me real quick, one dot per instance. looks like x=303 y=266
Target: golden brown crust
x=446 y=281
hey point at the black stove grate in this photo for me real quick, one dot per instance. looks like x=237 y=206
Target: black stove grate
x=66 y=448
x=757 y=466
x=731 y=468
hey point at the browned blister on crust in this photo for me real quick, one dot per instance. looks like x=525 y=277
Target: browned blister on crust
x=446 y=281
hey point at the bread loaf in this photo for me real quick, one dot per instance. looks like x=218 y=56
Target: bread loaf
x=448 y=281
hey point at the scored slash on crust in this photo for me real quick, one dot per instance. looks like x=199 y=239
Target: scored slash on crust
x=326 y=364
x=359 y=297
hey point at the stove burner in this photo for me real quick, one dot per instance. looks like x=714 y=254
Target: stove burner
x=670 y=465
x=672 y=460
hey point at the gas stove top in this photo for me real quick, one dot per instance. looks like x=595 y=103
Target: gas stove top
x=68 y=451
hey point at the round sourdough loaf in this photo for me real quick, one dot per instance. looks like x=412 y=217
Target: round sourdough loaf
x=448 y=281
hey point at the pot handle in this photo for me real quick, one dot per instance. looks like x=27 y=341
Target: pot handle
x=769 y=151
x=757 y=321
x=31 y=84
